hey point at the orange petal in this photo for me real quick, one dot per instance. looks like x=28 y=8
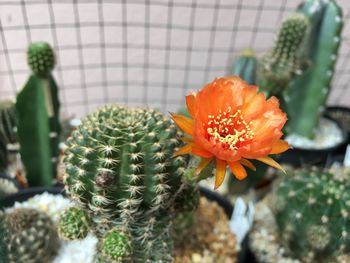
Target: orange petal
x=271 y=162
x=279 y=147
x=196 y=150
x=248 y=164
x=186 y=139
x=184 y=123
x=238 y=170
x=220 y=172
x=203 y=163
x=184 y=150
x=190 y=102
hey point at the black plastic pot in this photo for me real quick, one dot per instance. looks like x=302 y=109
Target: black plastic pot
x=339 y=113
x=300 y=157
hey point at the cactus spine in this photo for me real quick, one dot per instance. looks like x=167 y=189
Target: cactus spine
x=121 y=171
x=245 y=66
x=307 y=95
x=8 y=123
x=38 y=117
x=312 y=214
x=29 y=236
x=278 y=67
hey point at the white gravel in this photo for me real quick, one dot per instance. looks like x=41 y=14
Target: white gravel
x=82 y=251
x=328 y=134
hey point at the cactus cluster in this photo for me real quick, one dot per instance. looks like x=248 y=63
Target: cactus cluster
x=307 y=94
x=38 y=117
x=29 y=236
x=312 y=213
x=121 y=171
x=278 y=67
x=8 y=127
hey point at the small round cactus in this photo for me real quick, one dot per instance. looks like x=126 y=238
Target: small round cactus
x=115 y=247
x=41 y=58
x=74 y=223
x=312 y=213
x=29 y=236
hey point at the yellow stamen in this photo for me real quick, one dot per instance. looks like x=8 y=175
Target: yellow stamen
x=229 y=129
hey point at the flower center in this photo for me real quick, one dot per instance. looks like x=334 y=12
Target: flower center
x=229 y=129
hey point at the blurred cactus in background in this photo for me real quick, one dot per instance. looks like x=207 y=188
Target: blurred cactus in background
x=29 y=236
x=312 y=214
x=8 y=128
x=38 y=117
x=245 y=66
x=278 y=67
x=121 y=171
x=307 y=94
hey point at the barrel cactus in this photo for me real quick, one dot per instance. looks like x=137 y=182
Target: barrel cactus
x=278 y=67
x=312 y=214
x=121 y=171
x=29 y=236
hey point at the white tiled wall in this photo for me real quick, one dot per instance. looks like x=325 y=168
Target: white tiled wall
x=143 y=52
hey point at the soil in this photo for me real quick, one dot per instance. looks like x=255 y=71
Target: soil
x=210 y=239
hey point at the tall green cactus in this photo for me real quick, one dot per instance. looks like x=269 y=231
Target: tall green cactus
x=278 y=67
x=308 y=93
x=312 y=213
x=121 y=170
x=38 y=117
x=245 y=66
x=8 y=127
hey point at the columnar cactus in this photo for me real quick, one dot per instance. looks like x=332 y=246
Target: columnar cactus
x=8 y=127
x=312 y=214
x=278 y=67
x=29 y=236
x=121 y=170
x=38 y=117
x=307 y=94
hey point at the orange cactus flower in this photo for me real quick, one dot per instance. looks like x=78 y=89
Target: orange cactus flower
x=232 y=123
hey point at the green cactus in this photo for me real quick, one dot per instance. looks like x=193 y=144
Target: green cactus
x=246 y=66
x=30 y=236
x=74 y=223
x=8 y=127
x=38 y=117
x=121 y=170
x=307 y=94
x=41 y=59
x=277 y=68
x=114 y=247
x=312 y=213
